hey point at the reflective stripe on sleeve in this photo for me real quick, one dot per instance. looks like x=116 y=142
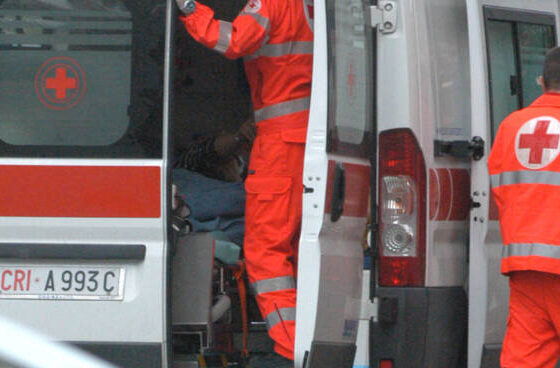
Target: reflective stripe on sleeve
x=281 y=109
x=279 y=315
x=274 y=284
x=261 y=20
x=531 y=249
x=525 y=177
x=287 y=48
x=225 y=37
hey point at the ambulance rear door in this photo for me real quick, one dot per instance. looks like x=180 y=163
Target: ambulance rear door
x=337 y=185
x=83 y=235
x=507 y=40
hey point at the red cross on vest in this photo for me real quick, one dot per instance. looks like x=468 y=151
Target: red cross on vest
x=538 y=141
x=60 y=83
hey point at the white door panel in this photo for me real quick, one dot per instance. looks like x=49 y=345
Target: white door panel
x=330 y=261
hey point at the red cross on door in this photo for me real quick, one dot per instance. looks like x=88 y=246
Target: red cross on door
x=60 y=83
x=538 y=141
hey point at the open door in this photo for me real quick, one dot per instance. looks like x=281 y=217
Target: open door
x=336 y=178
x=507 y=41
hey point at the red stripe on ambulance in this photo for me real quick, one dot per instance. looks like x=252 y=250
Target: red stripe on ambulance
x=449 y=194
x=80 y=191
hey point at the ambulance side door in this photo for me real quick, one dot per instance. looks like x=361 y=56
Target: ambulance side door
x=507 y=43
x=336 y=179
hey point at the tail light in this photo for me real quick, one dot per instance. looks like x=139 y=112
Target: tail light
x=385 y=363
x=402 y=210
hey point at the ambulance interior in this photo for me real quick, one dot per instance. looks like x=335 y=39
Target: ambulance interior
x=211 y=99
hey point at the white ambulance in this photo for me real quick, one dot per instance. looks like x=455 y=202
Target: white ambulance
x=406 y=98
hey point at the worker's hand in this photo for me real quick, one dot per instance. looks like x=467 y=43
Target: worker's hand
x=186 y=6
x=247 y=131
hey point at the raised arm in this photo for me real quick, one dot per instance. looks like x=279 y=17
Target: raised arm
x=242 y=37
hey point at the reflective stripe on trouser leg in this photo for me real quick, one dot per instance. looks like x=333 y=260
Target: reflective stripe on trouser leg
x=281 y=315
x=273 y=217
x=273 y=284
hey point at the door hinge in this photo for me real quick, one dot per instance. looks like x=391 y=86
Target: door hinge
x=369 y=310
x=383 y=16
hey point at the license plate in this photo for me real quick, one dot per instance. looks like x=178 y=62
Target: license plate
x=62 y=283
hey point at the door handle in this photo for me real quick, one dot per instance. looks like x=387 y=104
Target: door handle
x=339 y=192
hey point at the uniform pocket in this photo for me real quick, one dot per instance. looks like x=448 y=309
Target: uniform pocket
x=294 y=135
x=268 y=202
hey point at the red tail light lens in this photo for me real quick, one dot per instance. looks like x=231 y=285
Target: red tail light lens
x=402 y=210
x=385 y=364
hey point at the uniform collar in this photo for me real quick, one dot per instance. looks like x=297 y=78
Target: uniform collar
x=547 y=99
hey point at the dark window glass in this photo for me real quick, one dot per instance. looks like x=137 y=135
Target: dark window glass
x=81 y=78
x=517 y=43
x=534 y=41
x=350 y=78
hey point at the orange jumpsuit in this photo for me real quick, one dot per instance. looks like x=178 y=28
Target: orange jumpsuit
x=276 y=39
x=524 y=167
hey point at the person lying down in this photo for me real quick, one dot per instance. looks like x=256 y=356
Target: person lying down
x=209 y=176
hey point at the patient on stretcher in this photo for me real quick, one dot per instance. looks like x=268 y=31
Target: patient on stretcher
x=209 y=176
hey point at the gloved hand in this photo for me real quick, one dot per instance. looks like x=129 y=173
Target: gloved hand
x=186 y=6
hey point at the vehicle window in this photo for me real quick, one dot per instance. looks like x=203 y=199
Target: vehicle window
x=81 y=78
x=350 y=78
x=517 y=43
x=449 y=48
x=534 y=41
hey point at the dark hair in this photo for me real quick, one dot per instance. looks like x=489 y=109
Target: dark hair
x=551 y=69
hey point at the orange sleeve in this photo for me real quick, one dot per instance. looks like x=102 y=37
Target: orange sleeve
x=244 y=36
x=497 y=152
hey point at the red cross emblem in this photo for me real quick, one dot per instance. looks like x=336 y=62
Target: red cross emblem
x=253 y=6
x=60 y=83
x=537 y=142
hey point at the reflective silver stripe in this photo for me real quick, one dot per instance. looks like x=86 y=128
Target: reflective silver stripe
x=225 y=37
x=287 y=48
x=279 y=315
x=281 y=109
x=531 y=249
x=261 y=20
x=275 y=284
x=525 y=177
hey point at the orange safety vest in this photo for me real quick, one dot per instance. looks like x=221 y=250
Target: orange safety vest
x=524 y=167
x=276 y=39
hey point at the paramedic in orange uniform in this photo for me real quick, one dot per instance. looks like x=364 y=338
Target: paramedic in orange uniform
x=275 y=39
x=524 y=170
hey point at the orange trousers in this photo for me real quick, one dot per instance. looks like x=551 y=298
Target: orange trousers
x=533 y=328
x=272 y=223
